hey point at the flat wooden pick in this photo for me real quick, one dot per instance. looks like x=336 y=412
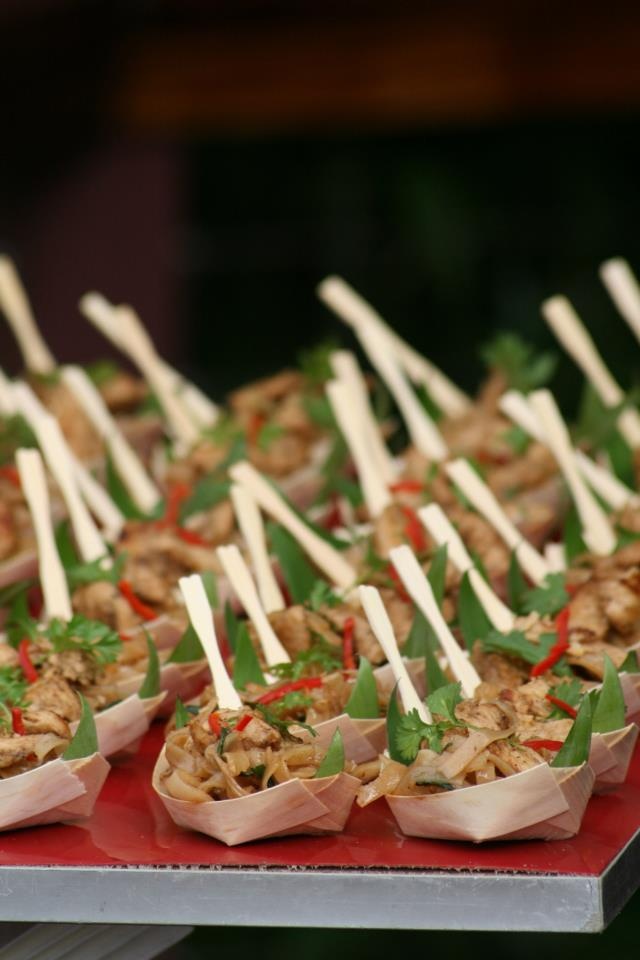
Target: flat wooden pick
x=243 y=586
x=252 y=529
x=15 y=304
x=52 y=577
x=381 y=625
x=623 y=288
x=197 y=604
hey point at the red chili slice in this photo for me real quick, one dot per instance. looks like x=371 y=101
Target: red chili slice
x=30 y=672
x=137 y=605
x=175 y=498
x=560 y=646
x=243 y=722
x=392 y=573
x=11 y=473
x=256 y=423
x=16 y=721
x=214 y=724
x=190 y=536
x=562 y=704
x=542 y=744
x=414 y=529
x=306 y=683
x=406 y=486
x=348 y=658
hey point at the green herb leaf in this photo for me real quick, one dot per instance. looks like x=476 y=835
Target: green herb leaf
x=299 y=576
x=65 y=545
x=182 y=715
x=322 y=596
x=630 y=663
x=315 y=362
x=13 y=686
x=269 y=433
x=101 y=371
x=443 y=701
x=474 y=623
x=621 y=459
x=15 y=433
x=320 y=657
x=515 y=644
x=516 y=584
x=246 y=666
x=319 y=411
x=188 y=649
x=518 y=439
x=574 y=545
x=421 y=637
x=80 y=633
x=363 y=701
x=208 y=493
x=517 y=360
x=427 y=401
x=333 y=761
x=437 y=574
x=231 y=624
x=393 y=725
x=436 y=676
x=96 y=570
x=549 y=598
x=150 y=686
x=85 y=739
x=120 y=495
x=571 y=692
x=609 y=713
x=575 y=750
x=412 y=731
x=210 y=585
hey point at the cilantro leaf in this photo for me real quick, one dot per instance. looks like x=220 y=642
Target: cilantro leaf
x=443 y=701
x=315 y=362
x=95 y=570
x=517 y=360
x=333 y=761
x=569 y=691
x=549 y=598
x=322 y=595
x=13 y=686
x=320 y=657
x=411 y=733
x=80 y=633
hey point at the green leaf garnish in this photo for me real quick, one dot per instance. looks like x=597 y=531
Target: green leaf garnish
x=333 y=761
x=15 y=433
x=516 y=584
x=182 y=715
x=549 y=598
x=630 y=663
x=411 y=733
x=80 y=633
x=322 y=596
x=609 y=713
x=13 y=686
x=517 y=360
x=121 y=496
x=96 y=570
x=474 y=623
x=65 y=545
x=207 y=493
x=363 y=701
x=436 y=677
x=315 y=362
x=299 y=575
x=320 y=657
x=518 y=439
x=85 y=739
x=437 y=574
x=421 y=637
x=268 y=434
x=574 y=545
x=246 y=666
x=621 y=459
x=515 y=644
x=575 y=750
x=101 y=371
x=188 y=649
x=393 y=725
x=210 y=585
x=231 y=624
x=569 y=691
x=150 y=686
x=443 y=701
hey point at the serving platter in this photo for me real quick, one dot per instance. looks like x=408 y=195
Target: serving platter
x=130 y=864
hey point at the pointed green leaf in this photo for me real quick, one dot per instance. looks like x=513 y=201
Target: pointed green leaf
x=66 y=546
x=394 y=717
x=549 y=598
x=420 y=639
x=85 y=739
x=299 y=575
x=363 y=702
x=120 y=495
x=231 y=623
x=182 y=715
x=575 y=750
x=210 y=585
x=630 y=663
x=207 y=494
x=609 y=713
x=574 y=545
x=474 y=623
x=188 y=649
x=621 y=459
x=438 y=573
x=436 y=677
x=516 y=584
x=333 y=761
x=151 y=684
x=246 y=666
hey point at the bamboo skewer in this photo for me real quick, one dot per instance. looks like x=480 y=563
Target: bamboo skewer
x=376 y=494
x=141 y=488
x=346 y=369
x=197 y=604
x=484 y=501
x=13 y=300
x=419 y=589
x=381 y=625
x=624 y=290
x=52 y=578
x=7 y=402
x=326 y=557
x=556 y=557
x=443 y=531
x=354 y=310
x=574 y=337
x=117 y=325
x=57 y=455
x=597 y=532
x=243 y=586
x=252 y=529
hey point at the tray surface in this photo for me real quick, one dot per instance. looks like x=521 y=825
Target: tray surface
x=130 y=827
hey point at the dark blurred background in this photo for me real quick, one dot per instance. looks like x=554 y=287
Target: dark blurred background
x=210 y=162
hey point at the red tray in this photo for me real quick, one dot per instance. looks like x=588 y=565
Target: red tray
x=130 y=827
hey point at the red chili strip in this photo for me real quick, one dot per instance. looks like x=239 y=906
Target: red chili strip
x=562 y=704
x=175 y=498
x=560 y=646
x=255 y=425
x=35 y=601
x=414 y=530
x=214 y=724
x=542 y=744
x=30 y=672
x=333 y=518
x=11 y=473
x=16 y=721
x=306 y=683
x=137 y=605
x=406 y=486
x=393 y=574
x=243 y=722
x=190 y=536
x=348 y=658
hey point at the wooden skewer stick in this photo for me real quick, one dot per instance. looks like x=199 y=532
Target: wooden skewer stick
x=573 y=335
x=197 y=604
x=612 y=490
x=443 y=531
x=419 y=589
x=381 y=625
x=624 y=290
x=556 y=557
x=7 y=403
x=52 y=578
x=57 y=455
x=354 y=310
x=13 y=300
x=597 y=532
x=252 y=529
x=424 y=433
x=485 y=502
x=111 y=518
x=326 y=557
x=141 y=488
x=376 y=493
x=243 y=586
x=346 y=369
x=115 y=323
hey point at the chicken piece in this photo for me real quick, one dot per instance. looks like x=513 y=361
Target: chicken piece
x=9 y=540
x=590 y=657
x=531 y=469
x=54 y=694
x=510 y=759
x=45 y=721
x=15 y=751
x=283 y=455
x=365 y=642
x=587 y=620
x=489 y=716
x=101 y=600
x=389 y=530
x=75 y=666
x=296 y=628
x=529 y=701
x=259 y=734
x=8 y=656
x=123 y=392
x=257 y=396
x=621 y=604
x=80 y=433
x=498 y=672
